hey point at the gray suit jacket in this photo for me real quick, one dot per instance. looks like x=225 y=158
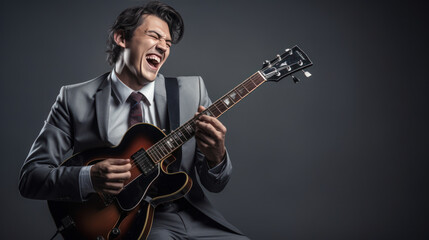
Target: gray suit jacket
x=78 y=121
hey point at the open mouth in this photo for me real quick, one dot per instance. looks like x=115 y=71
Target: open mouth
x=153 y=60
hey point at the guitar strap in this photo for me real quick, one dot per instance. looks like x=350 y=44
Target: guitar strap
x=173 y=112
x=172 y=88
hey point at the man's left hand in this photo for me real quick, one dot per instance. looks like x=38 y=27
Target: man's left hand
x=210 y=136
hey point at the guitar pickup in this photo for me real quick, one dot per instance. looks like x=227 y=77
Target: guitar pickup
x=144 y=162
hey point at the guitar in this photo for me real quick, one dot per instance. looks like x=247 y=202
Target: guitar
x=129 y=214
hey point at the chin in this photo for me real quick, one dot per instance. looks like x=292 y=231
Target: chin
x=149 y=74
x=149 y=77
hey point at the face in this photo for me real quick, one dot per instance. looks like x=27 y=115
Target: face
x=146 y=51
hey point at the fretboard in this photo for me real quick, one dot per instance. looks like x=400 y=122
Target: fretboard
x=166 y=146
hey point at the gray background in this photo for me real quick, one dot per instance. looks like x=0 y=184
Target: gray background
x=342 y=155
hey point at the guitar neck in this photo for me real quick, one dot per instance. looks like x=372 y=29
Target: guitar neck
x=178 y=137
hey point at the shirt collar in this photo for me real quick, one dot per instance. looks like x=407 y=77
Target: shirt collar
x=122 y=91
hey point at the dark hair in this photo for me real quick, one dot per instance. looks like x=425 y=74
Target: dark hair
x=131 y=18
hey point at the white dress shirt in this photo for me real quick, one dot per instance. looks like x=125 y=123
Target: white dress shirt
x=119 y=108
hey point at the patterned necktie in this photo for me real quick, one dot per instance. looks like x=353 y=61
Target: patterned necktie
x=136 y=115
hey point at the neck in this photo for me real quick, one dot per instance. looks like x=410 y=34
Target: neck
x=128 y=77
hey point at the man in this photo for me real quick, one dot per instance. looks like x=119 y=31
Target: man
x=96 y=113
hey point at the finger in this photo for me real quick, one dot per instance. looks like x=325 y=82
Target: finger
x=113 y=186
x=118 y=177
x=113 y=165
x=200 y=111
x=203 y=147
x=118 y=161
x=205 y=140
x=203 y=126
x=201 y=108
x=214 y=122
x=119 y=168
x=111 y=192
x=209 y=130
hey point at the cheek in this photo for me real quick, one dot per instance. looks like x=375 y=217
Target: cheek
x=135 y=58
x=166 y=55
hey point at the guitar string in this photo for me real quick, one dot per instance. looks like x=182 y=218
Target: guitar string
x=140 y=160
x=217 y=104
x=173 y=136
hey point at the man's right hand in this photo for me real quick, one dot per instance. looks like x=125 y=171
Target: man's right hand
x=108 y=176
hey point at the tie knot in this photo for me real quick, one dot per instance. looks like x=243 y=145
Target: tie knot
x=135 y=97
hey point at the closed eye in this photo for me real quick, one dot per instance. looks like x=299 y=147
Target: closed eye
x=158 y=37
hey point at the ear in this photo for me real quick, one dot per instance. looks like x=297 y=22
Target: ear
x=119 y=38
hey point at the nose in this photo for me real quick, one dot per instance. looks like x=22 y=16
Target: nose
x=162 y=45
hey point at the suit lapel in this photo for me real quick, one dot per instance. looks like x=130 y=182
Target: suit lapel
x=161 y=101
x=102 y=107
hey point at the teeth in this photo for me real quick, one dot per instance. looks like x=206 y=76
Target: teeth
x=154 y=57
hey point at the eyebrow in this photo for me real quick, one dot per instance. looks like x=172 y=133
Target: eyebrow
x=159 y=35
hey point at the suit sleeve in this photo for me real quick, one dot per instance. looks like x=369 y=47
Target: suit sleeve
x=213 y=181
x=41 y=175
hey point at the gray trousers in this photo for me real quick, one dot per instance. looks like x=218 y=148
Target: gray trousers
x=172 y=221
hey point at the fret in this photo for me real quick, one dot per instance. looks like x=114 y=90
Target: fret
x=167 y=147
x=234 y=96
x=242 y=91
x=216 y=109
x=181 y=136
x=249 y=85
x=228 y=102
x=150 y=154
x=169 y=144
x=221 y=106
x=159 y=152
x=189 y=130
x=177 y=141
x=259 y=80
x=191 y=125
x=155 y=154
x=213 y=109
x=186 y=133
x=163 y=150
x=208 y=112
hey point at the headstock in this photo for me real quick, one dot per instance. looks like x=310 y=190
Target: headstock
x=291 y=61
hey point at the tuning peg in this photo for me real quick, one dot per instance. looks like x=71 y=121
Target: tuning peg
x=295 y=79
x=265 y=63
x=279 y=57
x=288 y=50
x=306 y=73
